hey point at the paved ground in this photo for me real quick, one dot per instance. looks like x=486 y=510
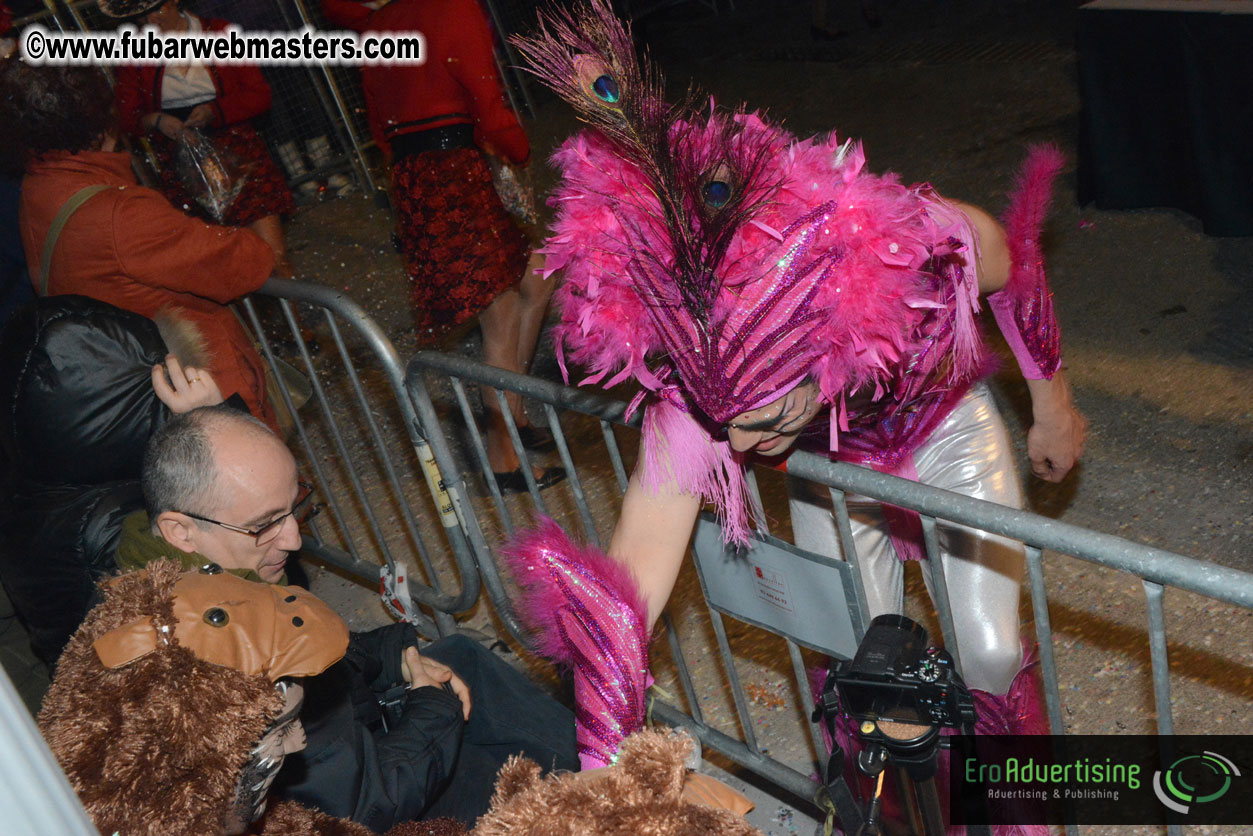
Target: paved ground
x=1156 y=318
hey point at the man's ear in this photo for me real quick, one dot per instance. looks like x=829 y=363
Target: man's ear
x=178 y=530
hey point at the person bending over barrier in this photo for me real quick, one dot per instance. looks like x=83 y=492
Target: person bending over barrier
x=222 y=494
x=769 y=292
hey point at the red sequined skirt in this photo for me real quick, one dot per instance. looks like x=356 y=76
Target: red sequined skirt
x=461 y=248
x=265 y=192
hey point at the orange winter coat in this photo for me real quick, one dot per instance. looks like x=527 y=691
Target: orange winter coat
x=129 y=247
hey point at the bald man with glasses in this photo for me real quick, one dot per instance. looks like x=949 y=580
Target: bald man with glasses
x=220 y=488
x=222 y=494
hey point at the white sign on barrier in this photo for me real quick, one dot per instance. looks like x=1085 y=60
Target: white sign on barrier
x=807 y=597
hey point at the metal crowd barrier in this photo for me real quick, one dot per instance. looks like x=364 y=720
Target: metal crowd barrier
x=359 y=440
x=373 y=437
x=1157 y=569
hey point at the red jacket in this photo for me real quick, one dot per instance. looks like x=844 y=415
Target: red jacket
x=129 y=247
x=242 y=91
x=458 y=84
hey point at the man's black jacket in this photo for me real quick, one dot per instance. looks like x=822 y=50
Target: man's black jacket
x=352 y=766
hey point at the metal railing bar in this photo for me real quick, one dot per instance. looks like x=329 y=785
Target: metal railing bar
x=754 y=494
x=772 y=770
x=685 y=674
x=1167 y=568
x=20 y=22
x=848 y=549
x=368 y=573
x=576 y=400
x=79 y=20
x=1153 y=596
x=615 y=455
x=389 y=467
x=445 y=486
x=332 y=498
x=383 y=350
x=807 y=696
x=742 y=713
x=480 y=452
x=341 y=448
x=363 y=167
x=572 y=471
x=524 y=463
x=1044 y=637
x=463 y=530
x=939 y=585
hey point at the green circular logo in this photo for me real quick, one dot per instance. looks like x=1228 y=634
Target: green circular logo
x=1194 y=779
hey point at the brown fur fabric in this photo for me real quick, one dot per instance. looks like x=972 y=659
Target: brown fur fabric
x=183 y=338
x=156 y=747
x=641 y=795
x=287 y=818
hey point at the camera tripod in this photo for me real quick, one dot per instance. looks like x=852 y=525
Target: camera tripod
x=913 y=750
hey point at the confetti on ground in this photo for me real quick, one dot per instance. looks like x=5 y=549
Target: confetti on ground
x=783 y=817
x=768 y=696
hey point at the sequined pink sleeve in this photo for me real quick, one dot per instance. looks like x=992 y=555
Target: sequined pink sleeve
x=587 y=612
x=1024 y=307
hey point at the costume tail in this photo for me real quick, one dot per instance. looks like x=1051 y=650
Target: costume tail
x=587 y=612
x=1024 y=307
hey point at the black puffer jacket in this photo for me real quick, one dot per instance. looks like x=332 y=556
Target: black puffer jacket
x=418 y=758
x=76 y=411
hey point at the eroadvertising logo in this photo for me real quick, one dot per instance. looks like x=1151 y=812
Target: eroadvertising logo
x=1099 y=779
x=1194 y=779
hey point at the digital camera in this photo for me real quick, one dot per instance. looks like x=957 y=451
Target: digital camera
x=895 y=675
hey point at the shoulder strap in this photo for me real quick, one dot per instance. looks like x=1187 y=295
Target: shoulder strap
x=54 y=232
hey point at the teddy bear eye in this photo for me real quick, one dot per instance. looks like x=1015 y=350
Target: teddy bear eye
x=217 y=617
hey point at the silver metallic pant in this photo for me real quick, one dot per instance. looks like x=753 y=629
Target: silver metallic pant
x=969 y=453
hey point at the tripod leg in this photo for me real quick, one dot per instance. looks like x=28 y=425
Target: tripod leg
x=929 y=803
x=909 y=802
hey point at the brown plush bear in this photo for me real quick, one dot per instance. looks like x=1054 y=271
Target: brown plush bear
x=168 y=695
x=648 y=791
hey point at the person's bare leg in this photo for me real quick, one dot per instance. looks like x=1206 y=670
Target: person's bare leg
x=499 y=325
x=270 y=230
x=533 y=295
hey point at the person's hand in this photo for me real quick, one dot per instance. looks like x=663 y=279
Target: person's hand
x=419 y=671
x=169 y=125
x=184 y=389
x=200 y=116
x=1057 y=437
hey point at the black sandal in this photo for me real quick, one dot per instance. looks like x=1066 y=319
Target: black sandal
x=515 y=482
x=536 y=439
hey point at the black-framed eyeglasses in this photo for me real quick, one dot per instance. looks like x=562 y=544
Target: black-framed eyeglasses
x=302 y=510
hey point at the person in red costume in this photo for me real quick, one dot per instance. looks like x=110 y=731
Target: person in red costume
x=161 y=101
x=125 y=244
x=464 y=254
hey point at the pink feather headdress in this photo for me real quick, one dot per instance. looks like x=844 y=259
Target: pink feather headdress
x=718 y=260
x=719 y=252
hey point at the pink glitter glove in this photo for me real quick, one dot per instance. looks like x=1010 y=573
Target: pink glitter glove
x=1024 y=307
x=587 y=612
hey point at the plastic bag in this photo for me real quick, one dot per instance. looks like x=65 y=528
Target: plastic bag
x=213 y=176
x=513 y=185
